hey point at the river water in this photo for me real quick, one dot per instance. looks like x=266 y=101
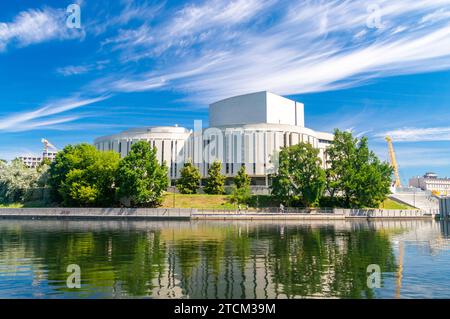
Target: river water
x=240 y=259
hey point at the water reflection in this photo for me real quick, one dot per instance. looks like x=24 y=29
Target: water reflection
x=207 y=259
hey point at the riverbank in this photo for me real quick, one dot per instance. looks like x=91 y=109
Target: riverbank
x=205 y=201
x=195 y=214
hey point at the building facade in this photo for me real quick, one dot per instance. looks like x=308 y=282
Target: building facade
x=33 y=161
x=244 y=130
x=431 y=182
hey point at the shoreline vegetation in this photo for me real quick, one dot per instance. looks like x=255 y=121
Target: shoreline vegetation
x=82 y=176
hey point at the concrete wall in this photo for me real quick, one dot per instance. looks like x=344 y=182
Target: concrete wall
x=444 y=207
x=249 y=108
x=284 y=111
x=256 y=108
x=97 y=213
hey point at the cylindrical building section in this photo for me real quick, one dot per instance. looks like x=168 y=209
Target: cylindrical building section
x=247 y=130
x=169 y=142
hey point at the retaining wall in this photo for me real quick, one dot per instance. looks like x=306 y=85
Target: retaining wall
x=97 y=213
x=188 y=214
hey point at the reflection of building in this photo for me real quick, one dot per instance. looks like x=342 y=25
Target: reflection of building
x=431 y=182
x=32 y=161
x=244 y=130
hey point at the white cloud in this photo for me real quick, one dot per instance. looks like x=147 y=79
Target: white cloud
x=418 y=134
x=35 y=26
x=73 y=70
x=288 y=48
x=189 y=25
x=43 y=117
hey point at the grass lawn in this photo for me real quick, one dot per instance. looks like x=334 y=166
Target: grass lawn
x=197 y=201
x=14 y=205
x=35 y=204
x=223 y=202
x=208 y=202
x=392 y=204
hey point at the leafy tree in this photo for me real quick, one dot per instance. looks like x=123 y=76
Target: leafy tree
x=140 y=177
x=355 y=175
x=242 y=179
x=16 y=181
x=215 y=183
x=189 y=180
x=46 y=161
x=83 y=176
x=300 y=175
x=241 y=189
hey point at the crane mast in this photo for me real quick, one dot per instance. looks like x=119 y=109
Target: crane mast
x=47 y=145
x=393 y=160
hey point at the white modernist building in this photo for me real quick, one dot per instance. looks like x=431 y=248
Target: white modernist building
x=431 y=182
x=244 y=130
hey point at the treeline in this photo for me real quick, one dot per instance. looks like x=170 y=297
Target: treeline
x=354 y=177
x=19 y=183
x=82 y=176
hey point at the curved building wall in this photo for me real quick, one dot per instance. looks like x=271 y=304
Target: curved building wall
x=168 y=141
x=247 y=130
x=253 y=145
x=256 y=146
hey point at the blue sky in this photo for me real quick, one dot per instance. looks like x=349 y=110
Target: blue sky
x=373 y=67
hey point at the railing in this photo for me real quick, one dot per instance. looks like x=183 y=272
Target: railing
x=389 y=213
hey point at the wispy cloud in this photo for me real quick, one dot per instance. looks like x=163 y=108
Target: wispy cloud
x=36 y=26
x=288 y=48
x=129 y=11
x=418 y=134
x=188 y=26
x=45 y=116
x=71 y=70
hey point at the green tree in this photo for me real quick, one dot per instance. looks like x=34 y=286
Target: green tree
x=215 y=183
x=83 y=176
x=242 y=179
x=300 y=175
x=45 y=162
x=355 y=175
x=240 y=193
x=189 y=181
x=141 y=180
x=16 y=181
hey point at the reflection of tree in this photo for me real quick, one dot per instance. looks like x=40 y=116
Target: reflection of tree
x=209 y=261
x=131 y=260
x=323 y=262
x=188 y=255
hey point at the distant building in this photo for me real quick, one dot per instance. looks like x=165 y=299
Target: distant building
x=33 y=161
x=431 y=182
x=246 y=130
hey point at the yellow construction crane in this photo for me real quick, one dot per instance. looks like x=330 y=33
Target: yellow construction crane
x=393 y=161
x=47 y=145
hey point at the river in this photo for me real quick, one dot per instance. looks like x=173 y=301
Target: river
x=233 y=259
